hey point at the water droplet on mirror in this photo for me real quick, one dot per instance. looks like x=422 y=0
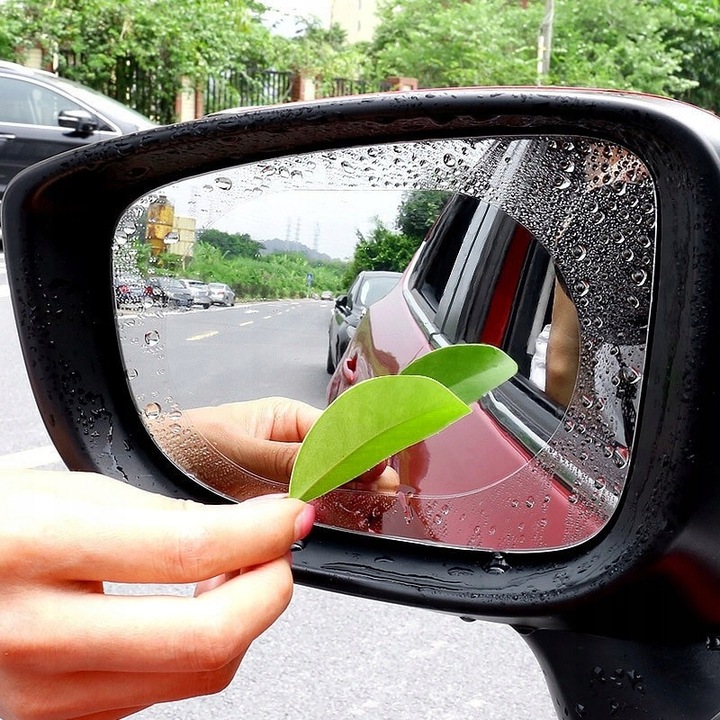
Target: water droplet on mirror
x=579 y=252
x=581 y=287
x=152 y=338
x=449 y=160
x=131 y=373
x=561 y=182
x=223 y=183
x=639 y=277
x=152 y=410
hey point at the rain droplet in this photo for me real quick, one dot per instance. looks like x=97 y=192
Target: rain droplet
x=639 y=277
x=152 y=410
x=152 y=338
x=131 y=373
x=223 y=183
x=449 y=160
x=561 y=182
x=581 y=288
x=579 y=252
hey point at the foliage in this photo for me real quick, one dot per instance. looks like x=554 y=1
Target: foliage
x=278 y=275
x=631 y=52
x=419 y=211
x=231 y=244
x=96 y=41
x=385 y=249
x=453 y=43
x=659 y=46
x=323 y=54
x=693 y=31
x=382 y=249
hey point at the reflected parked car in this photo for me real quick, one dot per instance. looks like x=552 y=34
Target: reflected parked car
x=199 y=290
x=368 y=287
x=221 y=294
x=170 y=292
x=131 y=292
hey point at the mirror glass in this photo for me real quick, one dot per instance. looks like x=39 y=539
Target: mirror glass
x=301 y=276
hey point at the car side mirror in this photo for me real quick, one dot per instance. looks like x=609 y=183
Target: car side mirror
x=609 y=199
x=341 y=302
x=80 y=121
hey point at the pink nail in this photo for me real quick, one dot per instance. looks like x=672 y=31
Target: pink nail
x=304 y=522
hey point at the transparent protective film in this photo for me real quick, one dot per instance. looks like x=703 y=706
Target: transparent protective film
x=302 y=276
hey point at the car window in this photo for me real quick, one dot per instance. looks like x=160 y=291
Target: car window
x=373 y=290
x=31 y=104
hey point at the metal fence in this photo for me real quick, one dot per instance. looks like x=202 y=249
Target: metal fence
x=149 y=92
x=154 y=93
x=237 y=88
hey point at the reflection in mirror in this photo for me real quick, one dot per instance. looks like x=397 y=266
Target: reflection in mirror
x=225 y=287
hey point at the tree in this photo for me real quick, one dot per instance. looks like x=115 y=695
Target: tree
x=601 y=43
x=323 y=54
x=96 y=42
x=419 y=211
x=385 y=249
x=231 y=244
x=454 y=43
x=693 y=31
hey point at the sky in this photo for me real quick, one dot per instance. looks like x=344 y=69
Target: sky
x=282 y=12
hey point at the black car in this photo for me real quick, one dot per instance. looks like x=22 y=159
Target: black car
x=169 y=292
x=42 y=114
x=368 y=287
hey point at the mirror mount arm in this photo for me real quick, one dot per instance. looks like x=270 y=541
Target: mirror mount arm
x=595 y=677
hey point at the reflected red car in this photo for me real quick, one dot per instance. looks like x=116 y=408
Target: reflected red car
x=478 y=277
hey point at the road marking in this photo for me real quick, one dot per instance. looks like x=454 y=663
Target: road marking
x=202 y=336
x=266 y=317
x=249 y=322
x=251 y=312
x=26 y=459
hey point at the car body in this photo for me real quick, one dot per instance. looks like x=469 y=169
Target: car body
x=170 y=292
x=200 y=292
x=368 y=287
x=221 y=294
x=327 y=295
x=503 y=300
x=42 y=114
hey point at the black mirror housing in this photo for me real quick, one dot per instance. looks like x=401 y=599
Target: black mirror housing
x=665 y=531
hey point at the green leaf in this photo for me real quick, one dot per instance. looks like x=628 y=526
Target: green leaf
x=367 y=424
x=469 y=371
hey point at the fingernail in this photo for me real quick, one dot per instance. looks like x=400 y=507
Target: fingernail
x=304 y=522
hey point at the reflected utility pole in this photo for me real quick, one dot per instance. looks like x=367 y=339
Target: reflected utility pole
x=545 y=42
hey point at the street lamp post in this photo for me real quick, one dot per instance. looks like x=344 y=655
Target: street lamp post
x=545 y=42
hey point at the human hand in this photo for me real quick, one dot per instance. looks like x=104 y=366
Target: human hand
x=67 y=650
x=264 y=436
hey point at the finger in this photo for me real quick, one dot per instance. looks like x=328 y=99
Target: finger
x=149 y=634
x=166 y=542
x=114 y=695
x=272 y=460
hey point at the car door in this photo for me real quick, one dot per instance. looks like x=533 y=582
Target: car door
x=29 y=130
